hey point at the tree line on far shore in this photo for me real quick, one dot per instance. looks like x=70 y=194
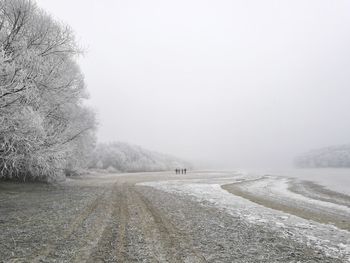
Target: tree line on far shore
x=333 y=156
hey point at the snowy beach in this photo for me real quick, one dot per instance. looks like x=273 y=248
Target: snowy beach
x=166 y=217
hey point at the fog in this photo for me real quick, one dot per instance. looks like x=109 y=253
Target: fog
x=222 y=83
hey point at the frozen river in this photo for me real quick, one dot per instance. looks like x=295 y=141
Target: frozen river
x=337 y=179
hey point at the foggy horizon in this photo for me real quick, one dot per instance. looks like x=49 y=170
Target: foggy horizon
x=225 y=83
x=174 y=131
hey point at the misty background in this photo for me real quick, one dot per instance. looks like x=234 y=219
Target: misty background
x=223 y=83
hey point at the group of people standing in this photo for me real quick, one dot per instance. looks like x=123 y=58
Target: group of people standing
x=180 y=171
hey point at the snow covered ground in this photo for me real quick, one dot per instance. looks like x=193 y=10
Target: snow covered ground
x=327 y=238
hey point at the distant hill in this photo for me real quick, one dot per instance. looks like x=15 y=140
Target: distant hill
x=334 y=156
x=123 y=157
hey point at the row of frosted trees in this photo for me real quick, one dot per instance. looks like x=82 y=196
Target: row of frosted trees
x=334 y=156
x=45 y=129
x=123 y=157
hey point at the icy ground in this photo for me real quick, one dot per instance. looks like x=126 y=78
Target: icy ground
x=333 y=241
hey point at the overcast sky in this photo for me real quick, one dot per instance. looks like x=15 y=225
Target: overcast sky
x=238 y=83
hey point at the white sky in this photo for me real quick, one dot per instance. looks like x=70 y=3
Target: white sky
x=238 y=83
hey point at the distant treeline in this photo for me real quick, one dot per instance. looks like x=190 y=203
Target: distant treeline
x=45 y=129
x=122 y=157
x=335 y=156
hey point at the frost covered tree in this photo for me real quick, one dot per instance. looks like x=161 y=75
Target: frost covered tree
x=44 y=127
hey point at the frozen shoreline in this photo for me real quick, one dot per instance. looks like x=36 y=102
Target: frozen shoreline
x=336 y=179
x=291 y=196
x=323 y=236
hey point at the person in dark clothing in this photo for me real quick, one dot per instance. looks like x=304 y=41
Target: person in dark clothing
x=185 y=170
x=176 y=171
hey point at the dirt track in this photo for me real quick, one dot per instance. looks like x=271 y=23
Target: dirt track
x=108 y=218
